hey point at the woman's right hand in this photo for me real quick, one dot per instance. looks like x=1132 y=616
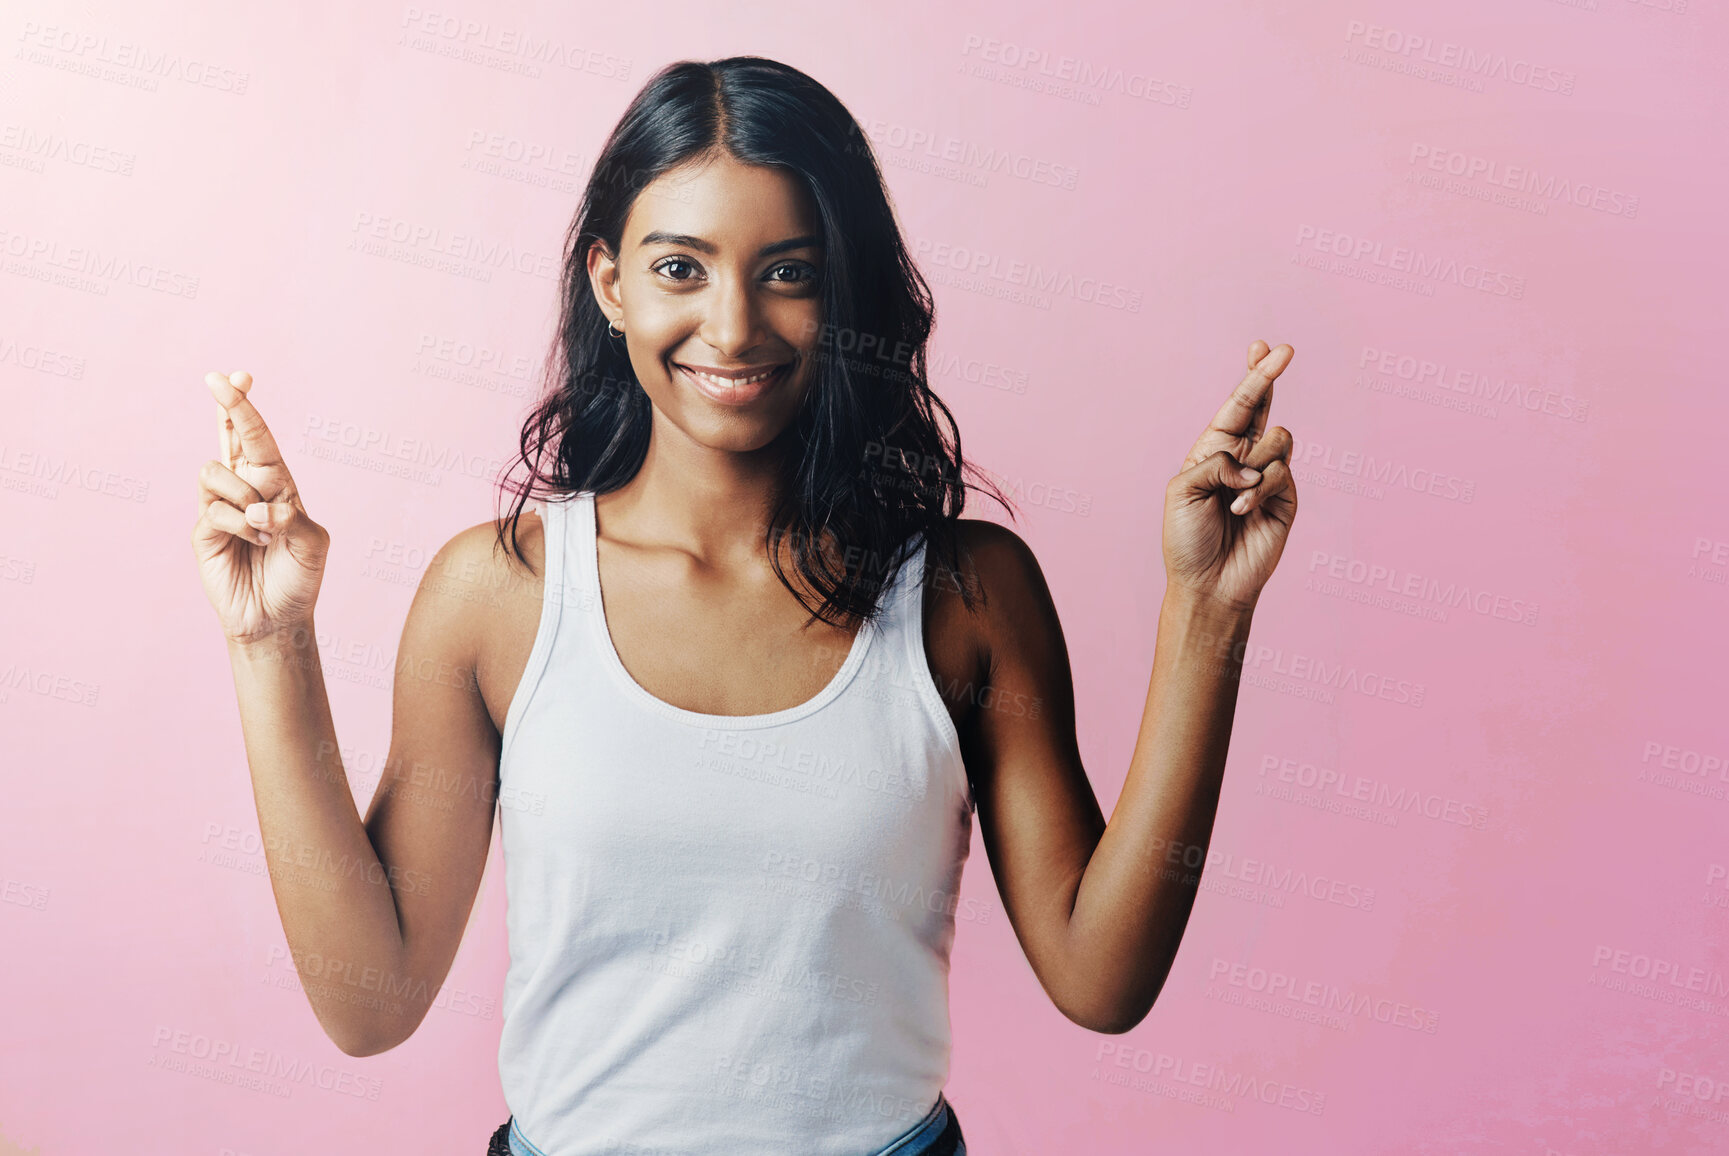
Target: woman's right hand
x=261 y=572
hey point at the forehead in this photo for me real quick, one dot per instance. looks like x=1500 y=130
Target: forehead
x=724 y=201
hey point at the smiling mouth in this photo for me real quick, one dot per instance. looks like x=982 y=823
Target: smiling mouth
x=732 y=379
x=734 y=387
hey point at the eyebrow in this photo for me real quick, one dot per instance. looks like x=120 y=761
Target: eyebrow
x=660 y=237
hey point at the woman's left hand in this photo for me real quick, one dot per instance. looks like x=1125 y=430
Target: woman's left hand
x=1225 y=529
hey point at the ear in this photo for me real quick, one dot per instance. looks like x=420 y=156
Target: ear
x=603 y=279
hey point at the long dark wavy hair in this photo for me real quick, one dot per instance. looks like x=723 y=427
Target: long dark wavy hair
x=869 y=463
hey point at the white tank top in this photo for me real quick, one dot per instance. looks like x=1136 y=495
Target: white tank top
x=728 y=933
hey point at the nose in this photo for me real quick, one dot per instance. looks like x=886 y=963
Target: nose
x=732 y=321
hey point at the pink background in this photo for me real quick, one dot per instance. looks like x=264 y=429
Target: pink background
x=1527 y=951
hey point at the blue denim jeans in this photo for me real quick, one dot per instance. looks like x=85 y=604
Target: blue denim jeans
x=938 y=1134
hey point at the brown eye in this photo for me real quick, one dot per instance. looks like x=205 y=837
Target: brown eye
x=802 y=273
x=672 y=262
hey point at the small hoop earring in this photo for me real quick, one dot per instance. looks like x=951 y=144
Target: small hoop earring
x=614 y=332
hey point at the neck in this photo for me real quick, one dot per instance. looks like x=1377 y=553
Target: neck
x=712 y=504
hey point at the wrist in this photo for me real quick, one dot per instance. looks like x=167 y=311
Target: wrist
x=280 y=642
x=1220 y=612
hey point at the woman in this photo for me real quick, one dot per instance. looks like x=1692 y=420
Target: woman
x=736 y=792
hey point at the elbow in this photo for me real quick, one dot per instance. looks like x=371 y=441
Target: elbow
x=361 y=1045
x=375 y=1034
x=1111 y=1020
x=1111 y=1025
x=361 y=1048
x=1107 y=1001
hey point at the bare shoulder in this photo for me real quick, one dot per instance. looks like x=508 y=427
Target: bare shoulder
x=998 y=566
x=476 y=556
x=491 y=598
x=1008 y=592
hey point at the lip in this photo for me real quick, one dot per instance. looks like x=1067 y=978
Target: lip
x=734 y=394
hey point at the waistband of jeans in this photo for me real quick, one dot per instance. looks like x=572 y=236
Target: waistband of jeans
x=927 y=1129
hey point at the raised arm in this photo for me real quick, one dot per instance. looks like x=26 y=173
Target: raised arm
x=1100 y=908
x=373 y=911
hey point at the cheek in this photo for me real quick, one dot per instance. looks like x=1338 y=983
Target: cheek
x=800 y=325
x=659 y=322
x=654 y=334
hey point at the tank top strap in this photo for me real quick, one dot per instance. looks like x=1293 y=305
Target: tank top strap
x=581 y=553
x=905 y=601
x=552 y=526
x=561 y=522
x=904 y=622
x=553 y=567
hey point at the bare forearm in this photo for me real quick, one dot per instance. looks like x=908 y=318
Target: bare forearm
x=332 y=891
x=1134 y=900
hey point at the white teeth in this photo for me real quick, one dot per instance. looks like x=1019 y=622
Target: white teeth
x=730 y=382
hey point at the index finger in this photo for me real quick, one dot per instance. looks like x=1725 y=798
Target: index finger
x=256 y=441
x=1244 y=413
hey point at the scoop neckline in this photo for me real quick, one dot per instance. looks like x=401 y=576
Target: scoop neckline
x=861 y=644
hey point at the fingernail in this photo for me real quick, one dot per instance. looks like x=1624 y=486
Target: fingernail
x=1251 y=473
x=1240 y=504
x=263 y=539
x=258 y=514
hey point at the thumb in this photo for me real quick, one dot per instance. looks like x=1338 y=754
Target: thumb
x=269 y=516
x=1218 y=471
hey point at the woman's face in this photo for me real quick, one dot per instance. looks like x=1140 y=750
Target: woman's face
x=717 y=281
